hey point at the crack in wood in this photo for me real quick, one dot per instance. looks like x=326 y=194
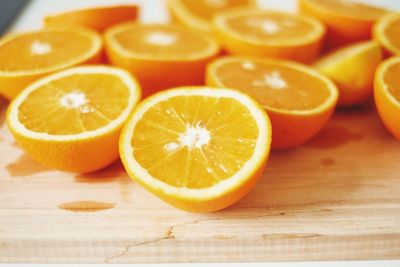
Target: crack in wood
x=171 y=229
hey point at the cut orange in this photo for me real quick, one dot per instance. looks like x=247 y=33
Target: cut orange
x=347 y=21
x=352 y=68
x=197 y=14
x=26 y=57
x=298 y=100
x=160 y=56
x=387 y=32
x=254 y=32
x=387 y=94
x=71 y=120
x=98 y=18
x=199 y=149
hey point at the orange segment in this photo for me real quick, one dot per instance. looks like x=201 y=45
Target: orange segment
x=387 y=32
x=352 y=68
x=197 y=14
x=71 y=120
x=298 y=100
x=347 y=21
x=199 y=149
x=387 y=94
x=255 y=32
x=98 y=18
x=160 y=56
x=28 y=56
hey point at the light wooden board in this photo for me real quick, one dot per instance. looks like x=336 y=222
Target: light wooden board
x=337 y=197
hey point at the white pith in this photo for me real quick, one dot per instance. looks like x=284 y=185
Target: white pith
x=160 y=38
x=40 y=48
x=275 y=80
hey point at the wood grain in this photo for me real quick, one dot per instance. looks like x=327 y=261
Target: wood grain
x=338 y=197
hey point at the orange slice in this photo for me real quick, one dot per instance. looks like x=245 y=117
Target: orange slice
x=387 y=94
x=298 y=100
x=197 y=14
x=28 y=56
x=255 y=32
x=98 y=18
x=160 y=56
x=199 y=149
x=352 y=68
x=71 y=120
x=347 y=21
x=387 y=32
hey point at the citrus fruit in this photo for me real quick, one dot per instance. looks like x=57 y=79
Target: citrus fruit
x=197 y=14
x=387 y=94
x=254 y=32
x=346 y=21
x=160 y=56
x=352 y=68
x=298 y=99
x=199 y=149
x=28 y=56
x=387 y=32
x=71 y=120
x=96 y=18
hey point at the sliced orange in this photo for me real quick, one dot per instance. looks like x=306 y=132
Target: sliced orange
x=197 y=14
x=387 y=32
x=97 y=18
x=298 y=100
x=387 y=94
x=254 y=32
x=28 y=56
x=346 y=20
x=199 y=149
x=160 y=56
x=71 y=120
x=352 y=68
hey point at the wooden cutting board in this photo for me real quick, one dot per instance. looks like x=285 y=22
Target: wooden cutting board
x=338 y=197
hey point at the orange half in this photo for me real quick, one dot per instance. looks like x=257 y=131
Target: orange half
x=97 y=18
x=160 y=56
x=298 y=100
x=255 y=32
x=387 y=32
x=26 y=57
x=71 y=120
x=387 y=94
x=199 y=149
x=347 y=21
x=352 y=68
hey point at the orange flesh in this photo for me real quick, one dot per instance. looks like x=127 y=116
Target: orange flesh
x=392 y=33
x=350 y=8
x=174 y=42
x=159 y=140
x=274 y=85
x=270 y=27
x=392 y=79
x=44 y=109
x=206 y=9
x=64 y=45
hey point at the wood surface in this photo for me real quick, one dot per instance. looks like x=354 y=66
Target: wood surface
x=338 y=197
